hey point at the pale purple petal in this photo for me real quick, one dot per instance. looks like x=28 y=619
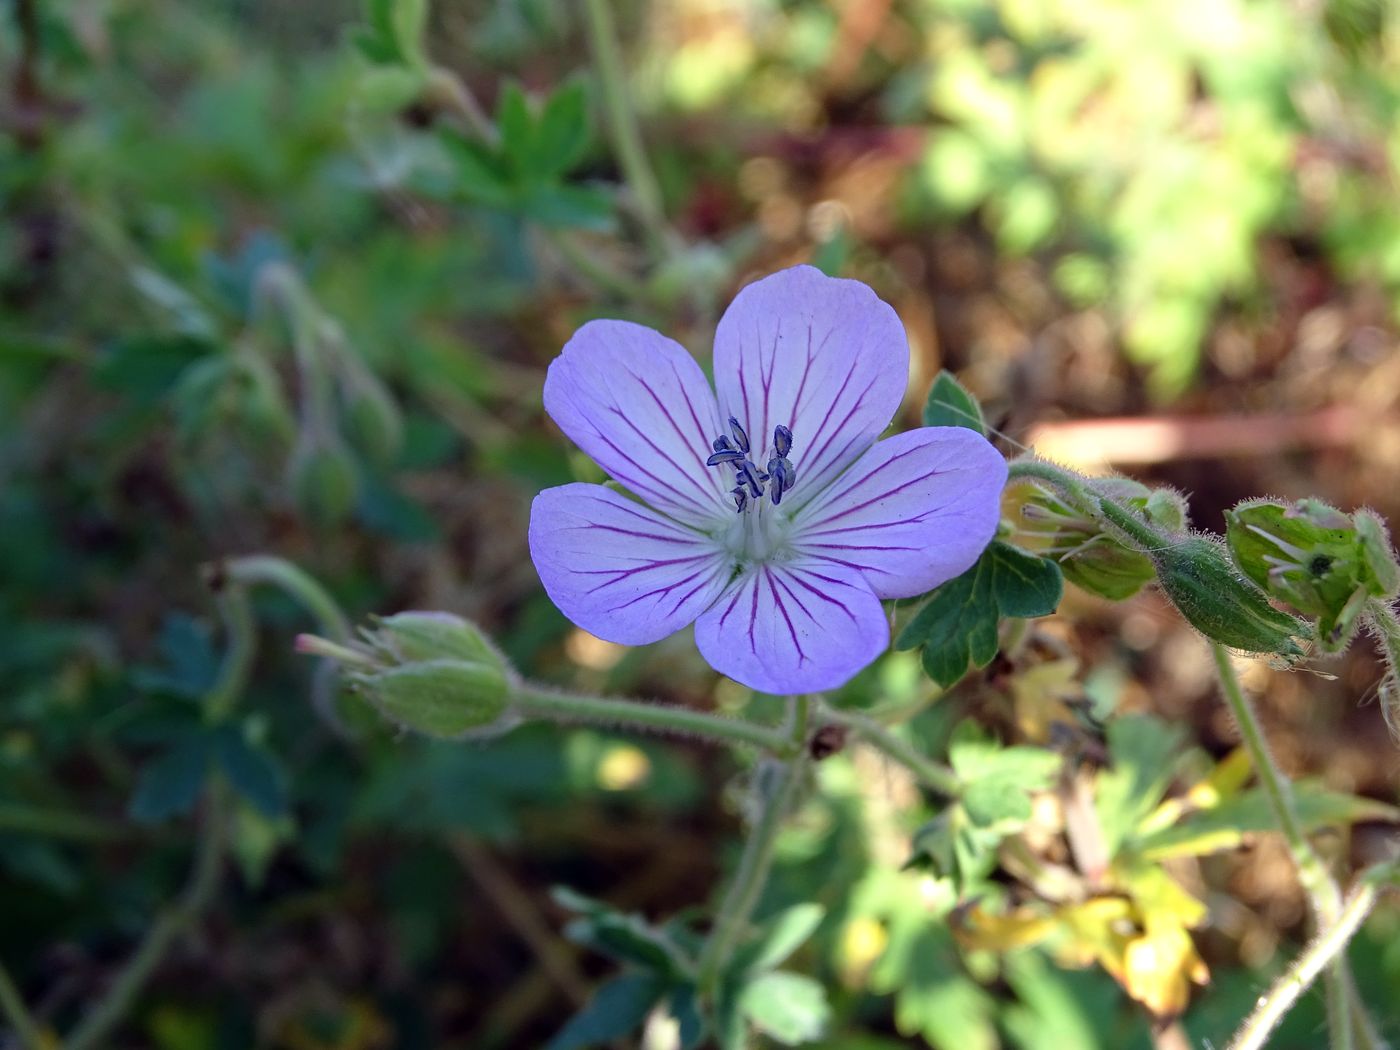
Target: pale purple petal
x=639 y=405
x=913 y=512
x=619 y=569
x=793 y=627
x=823 y=356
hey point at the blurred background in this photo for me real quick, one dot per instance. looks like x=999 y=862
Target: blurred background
x=285 y=278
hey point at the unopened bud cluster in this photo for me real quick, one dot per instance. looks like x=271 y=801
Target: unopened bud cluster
x=434 y=673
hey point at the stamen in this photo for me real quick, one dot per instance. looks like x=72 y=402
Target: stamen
x=740 y=438
x=782 y=440
x=733 y=449
x=728 y=455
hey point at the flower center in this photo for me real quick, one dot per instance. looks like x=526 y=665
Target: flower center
x=758 y=534
x=733 y=450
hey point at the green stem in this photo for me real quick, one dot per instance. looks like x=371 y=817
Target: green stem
x=108 y=1011
x=1317 y=881
x=1326 y=949
x=934 y=775
x=299 y=586
x=21 y=1020
x=241 y=646
x=747 y=886
x=1066 y=482
x=622 y=123
x=537 y=702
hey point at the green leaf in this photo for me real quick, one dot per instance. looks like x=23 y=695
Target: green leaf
x=628 y=938
x=562 y=134
x=616 y=1008
x=783 y=934
x=1225 y=826
x=1143 y=750
x=568 y=207
x=170 y=785
x=251 y=771
x=958 y=624
x=517 y=127
x=410 y=21
x=999 y=780
x=786 y=1007
x=683 y=1005
x=950 y=405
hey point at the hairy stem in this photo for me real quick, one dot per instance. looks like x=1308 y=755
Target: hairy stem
x=1326 y=948
x=257 y=569
x=747 y=886
x=237 y=664
x=536 y=702
x=108 y=1011
x=622 y=123
x=1317 y=881
x=934 y=775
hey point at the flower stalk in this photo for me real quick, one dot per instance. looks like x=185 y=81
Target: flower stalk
x=934 y=775
x=1326 y=951
x=622 y=124
x=533 y=701
x=1323 y=893
x=744 y=891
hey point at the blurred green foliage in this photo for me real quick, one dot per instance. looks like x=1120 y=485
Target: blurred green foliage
x=272 y=279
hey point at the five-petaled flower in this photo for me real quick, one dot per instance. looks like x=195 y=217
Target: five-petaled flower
x=773 y=519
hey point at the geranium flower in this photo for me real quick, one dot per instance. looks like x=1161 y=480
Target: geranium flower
x=772 y=518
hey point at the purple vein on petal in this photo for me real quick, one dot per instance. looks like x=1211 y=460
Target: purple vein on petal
x=792 y=631
x=690 y=444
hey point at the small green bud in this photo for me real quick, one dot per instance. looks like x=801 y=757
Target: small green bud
x=1316 y=559
x=324 y=482
x=1089 y=557
x=440 y=698
x=1167 y=508
x=372 y=420
x=412 y=636
x=1211 y=596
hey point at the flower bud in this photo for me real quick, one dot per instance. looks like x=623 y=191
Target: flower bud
x=372 y=418
x=1211 y=596
x=431 y=672
x=413 y=636
x=440 y=698
x=324 y=481
x=1316 y=559
x=1089 y=557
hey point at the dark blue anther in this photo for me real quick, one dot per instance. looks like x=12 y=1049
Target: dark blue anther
x=740 y=438
x=733 y=449
x=727 y=455
x=749 y=476
x=782 y=440
x=779 y=479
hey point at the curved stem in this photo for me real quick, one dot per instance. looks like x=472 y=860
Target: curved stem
x=1317 y=881
x=1066 y=482
x=237 y=664
x=537 y=702
x=934 y=775
x=299 y=586
x=747 y=886
x=21 y=1020
x=108 y=1011
x=1326 y=948
x=622 y=123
